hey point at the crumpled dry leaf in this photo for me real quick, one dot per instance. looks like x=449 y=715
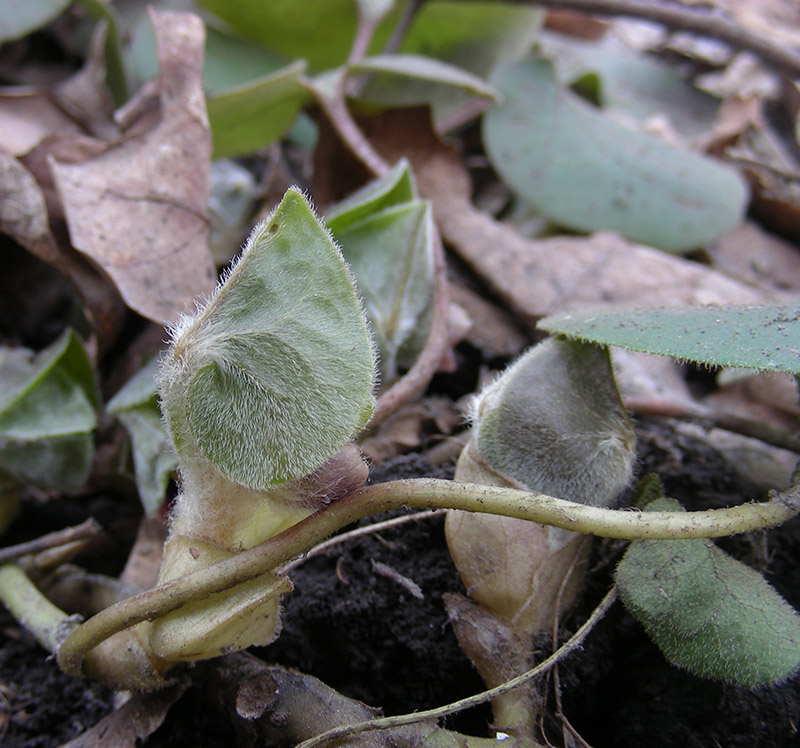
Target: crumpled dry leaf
x=85 y=96
x=539 y=277
x=27 y=118
x=406 y=428
x=133 y=722
x=493 y=332
x=139 y=208
x=759 y=258
x=25 y=217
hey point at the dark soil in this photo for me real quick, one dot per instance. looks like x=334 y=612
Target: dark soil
x=366 y=635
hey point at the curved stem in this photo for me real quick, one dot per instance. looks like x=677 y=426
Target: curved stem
x=421 y=492
x=700 y=20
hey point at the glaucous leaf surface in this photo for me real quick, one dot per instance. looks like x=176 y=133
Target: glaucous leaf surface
x=154 y=459
x=386 y=236
x=554 y=423
x=20 y=17
x=47 y=414
x=630 y=86
x=708 y=612
x=764 y=338
x=275 y=374
x=587 y=172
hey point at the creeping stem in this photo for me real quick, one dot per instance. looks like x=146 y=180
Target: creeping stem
x=263 y=558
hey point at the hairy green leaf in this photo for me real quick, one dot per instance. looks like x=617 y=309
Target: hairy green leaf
x=387 y=237
x=588 y=172
x=754 y=337
x=276 y=373
x=554 y=423
x=708 y=612
x=154 y=459
x=47 y=414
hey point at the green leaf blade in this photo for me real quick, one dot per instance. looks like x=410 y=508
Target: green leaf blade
x=589 y=173
x=247 y=118
x=708 y=612
x=764 y=338
x=47 y=415
x=276 y=373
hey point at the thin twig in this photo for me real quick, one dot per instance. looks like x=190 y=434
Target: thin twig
x=359 y=532
x=701 y=21
x=86 y=530
x=573 y=643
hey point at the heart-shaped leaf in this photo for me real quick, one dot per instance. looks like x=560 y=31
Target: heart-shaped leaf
x=588 y=172
x=276 y=373
x=755 y=337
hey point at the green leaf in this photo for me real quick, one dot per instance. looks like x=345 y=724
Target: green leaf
x=391 y=254
x=554 y=422
x=588 y=172
x=708 y=612
x=394 y=188
x=428 y=69
x=154 y=459
x=765 y=338
x=20 y=17
x=473 y=37
x=630 y=85
x=276 y=373
x=47 y=415
x=245 y=119
x=229 y=61
x=319 y=31
x=387 y=237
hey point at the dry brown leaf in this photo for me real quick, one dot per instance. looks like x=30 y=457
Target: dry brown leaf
x=759 y=258
x=493 y=332
x=144 y=560
x=24 y=217
x=131 y=724
x=406 y=428
x=139 y=208
x=539 y=277
x=28 y=118
x=85 y=96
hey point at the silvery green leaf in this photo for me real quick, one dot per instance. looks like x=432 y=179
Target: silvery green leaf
x=708 y=612
x=554 y=422
x=275 y=374
x=154 y=459
x=584 y=170
x=47 y=414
